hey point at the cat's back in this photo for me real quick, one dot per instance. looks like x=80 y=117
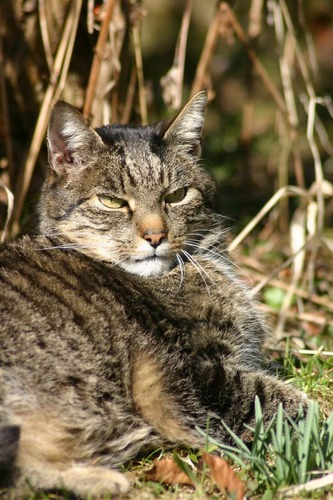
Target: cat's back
x=58 y=300
x=55 y=303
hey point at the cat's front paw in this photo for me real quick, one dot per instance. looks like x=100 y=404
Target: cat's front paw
x=95 y=482
x=83 y=481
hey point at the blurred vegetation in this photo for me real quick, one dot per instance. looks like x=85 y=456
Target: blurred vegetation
x=243 y=137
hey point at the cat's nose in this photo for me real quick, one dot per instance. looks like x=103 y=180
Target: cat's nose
x=154 y=237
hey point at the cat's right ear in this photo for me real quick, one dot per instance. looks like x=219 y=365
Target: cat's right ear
x=185 y=129
x=69 y=138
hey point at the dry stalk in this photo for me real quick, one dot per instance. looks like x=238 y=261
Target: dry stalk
x=319 y=175
x=255 y=18
x=106 y=102
x=68 y=54
x=283 y=175
x=172 y=82
x=226 y=10
x=90 y=16
x=44 y=114
x=317 y=352
x=298 y=166
x=268 y=278
x=298 y=51
x=139 y=70
x=10 y=205
x=282 y=192
x=263 y=280
x=4 y=105
x=98 y=57
x=298 y=239
x=309 y=40
x=313 y=485
x=126 y=114
x=201 y=79
x=301 y=316
x=45 y=34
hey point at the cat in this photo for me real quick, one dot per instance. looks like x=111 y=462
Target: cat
x=123 y=324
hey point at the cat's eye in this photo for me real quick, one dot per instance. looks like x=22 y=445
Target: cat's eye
x=176 y=196
x=112 y=201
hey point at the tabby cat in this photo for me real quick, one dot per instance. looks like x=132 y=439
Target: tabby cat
x=123 y=325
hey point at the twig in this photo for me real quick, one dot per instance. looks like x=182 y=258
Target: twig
x=99 y=52
x=263 y=281
x=317 y=162
x=299 y=55
x=307 y=317
x=312 y=352
x=226 y=10
x=309 y=40
x=282 y=171
x=200 y=79
x=286 y=49
x=44 y=114
x=314 y=484
x=172 y=82
x=298 y=242
x=10 y=205
x=284 y=191
x=280 y=268
x=68 y=55
x=139 y=69
x=255 y=18
x=129 y=98
x=298 y=166
x=45 y=34
x=90 y=16
x=4 y=105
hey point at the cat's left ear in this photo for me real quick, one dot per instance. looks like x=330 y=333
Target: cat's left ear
x=70 y=139
x=185 y=129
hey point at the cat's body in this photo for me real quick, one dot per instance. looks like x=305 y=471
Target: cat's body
x=111 y=345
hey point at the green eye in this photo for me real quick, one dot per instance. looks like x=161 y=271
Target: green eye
x=177 y=196
x=111 y=201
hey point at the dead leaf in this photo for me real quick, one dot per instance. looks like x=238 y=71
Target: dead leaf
x=167 y=471
x=224 y=476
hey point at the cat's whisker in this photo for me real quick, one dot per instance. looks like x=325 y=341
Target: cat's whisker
x=220 y=256
x=199 y=268
x=181 y=268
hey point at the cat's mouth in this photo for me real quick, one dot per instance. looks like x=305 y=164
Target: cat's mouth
x=152 y=265
x=150 y=258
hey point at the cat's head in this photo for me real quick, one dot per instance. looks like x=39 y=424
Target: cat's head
x=134 y=196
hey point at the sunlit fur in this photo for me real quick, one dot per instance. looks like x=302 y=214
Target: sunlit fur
x=141 y=165
x=124 y=330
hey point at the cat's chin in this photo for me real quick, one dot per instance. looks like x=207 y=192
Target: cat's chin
x=150 y=267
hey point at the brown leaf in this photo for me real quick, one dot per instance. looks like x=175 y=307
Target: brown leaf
x=224 y=476
x=167 y=471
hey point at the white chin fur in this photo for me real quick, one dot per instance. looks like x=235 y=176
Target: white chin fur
x=147 y=267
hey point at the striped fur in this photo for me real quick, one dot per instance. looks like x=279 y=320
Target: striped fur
x=114 y=342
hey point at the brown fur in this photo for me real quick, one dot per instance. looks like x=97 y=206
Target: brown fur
x=155 y=404
x=123 y=329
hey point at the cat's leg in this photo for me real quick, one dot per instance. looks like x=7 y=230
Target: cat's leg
x=230 y=392
x=175 y=396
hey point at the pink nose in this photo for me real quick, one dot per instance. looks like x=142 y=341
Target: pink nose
x=154 y=237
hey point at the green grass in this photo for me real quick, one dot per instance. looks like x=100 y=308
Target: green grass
x=283 y=453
